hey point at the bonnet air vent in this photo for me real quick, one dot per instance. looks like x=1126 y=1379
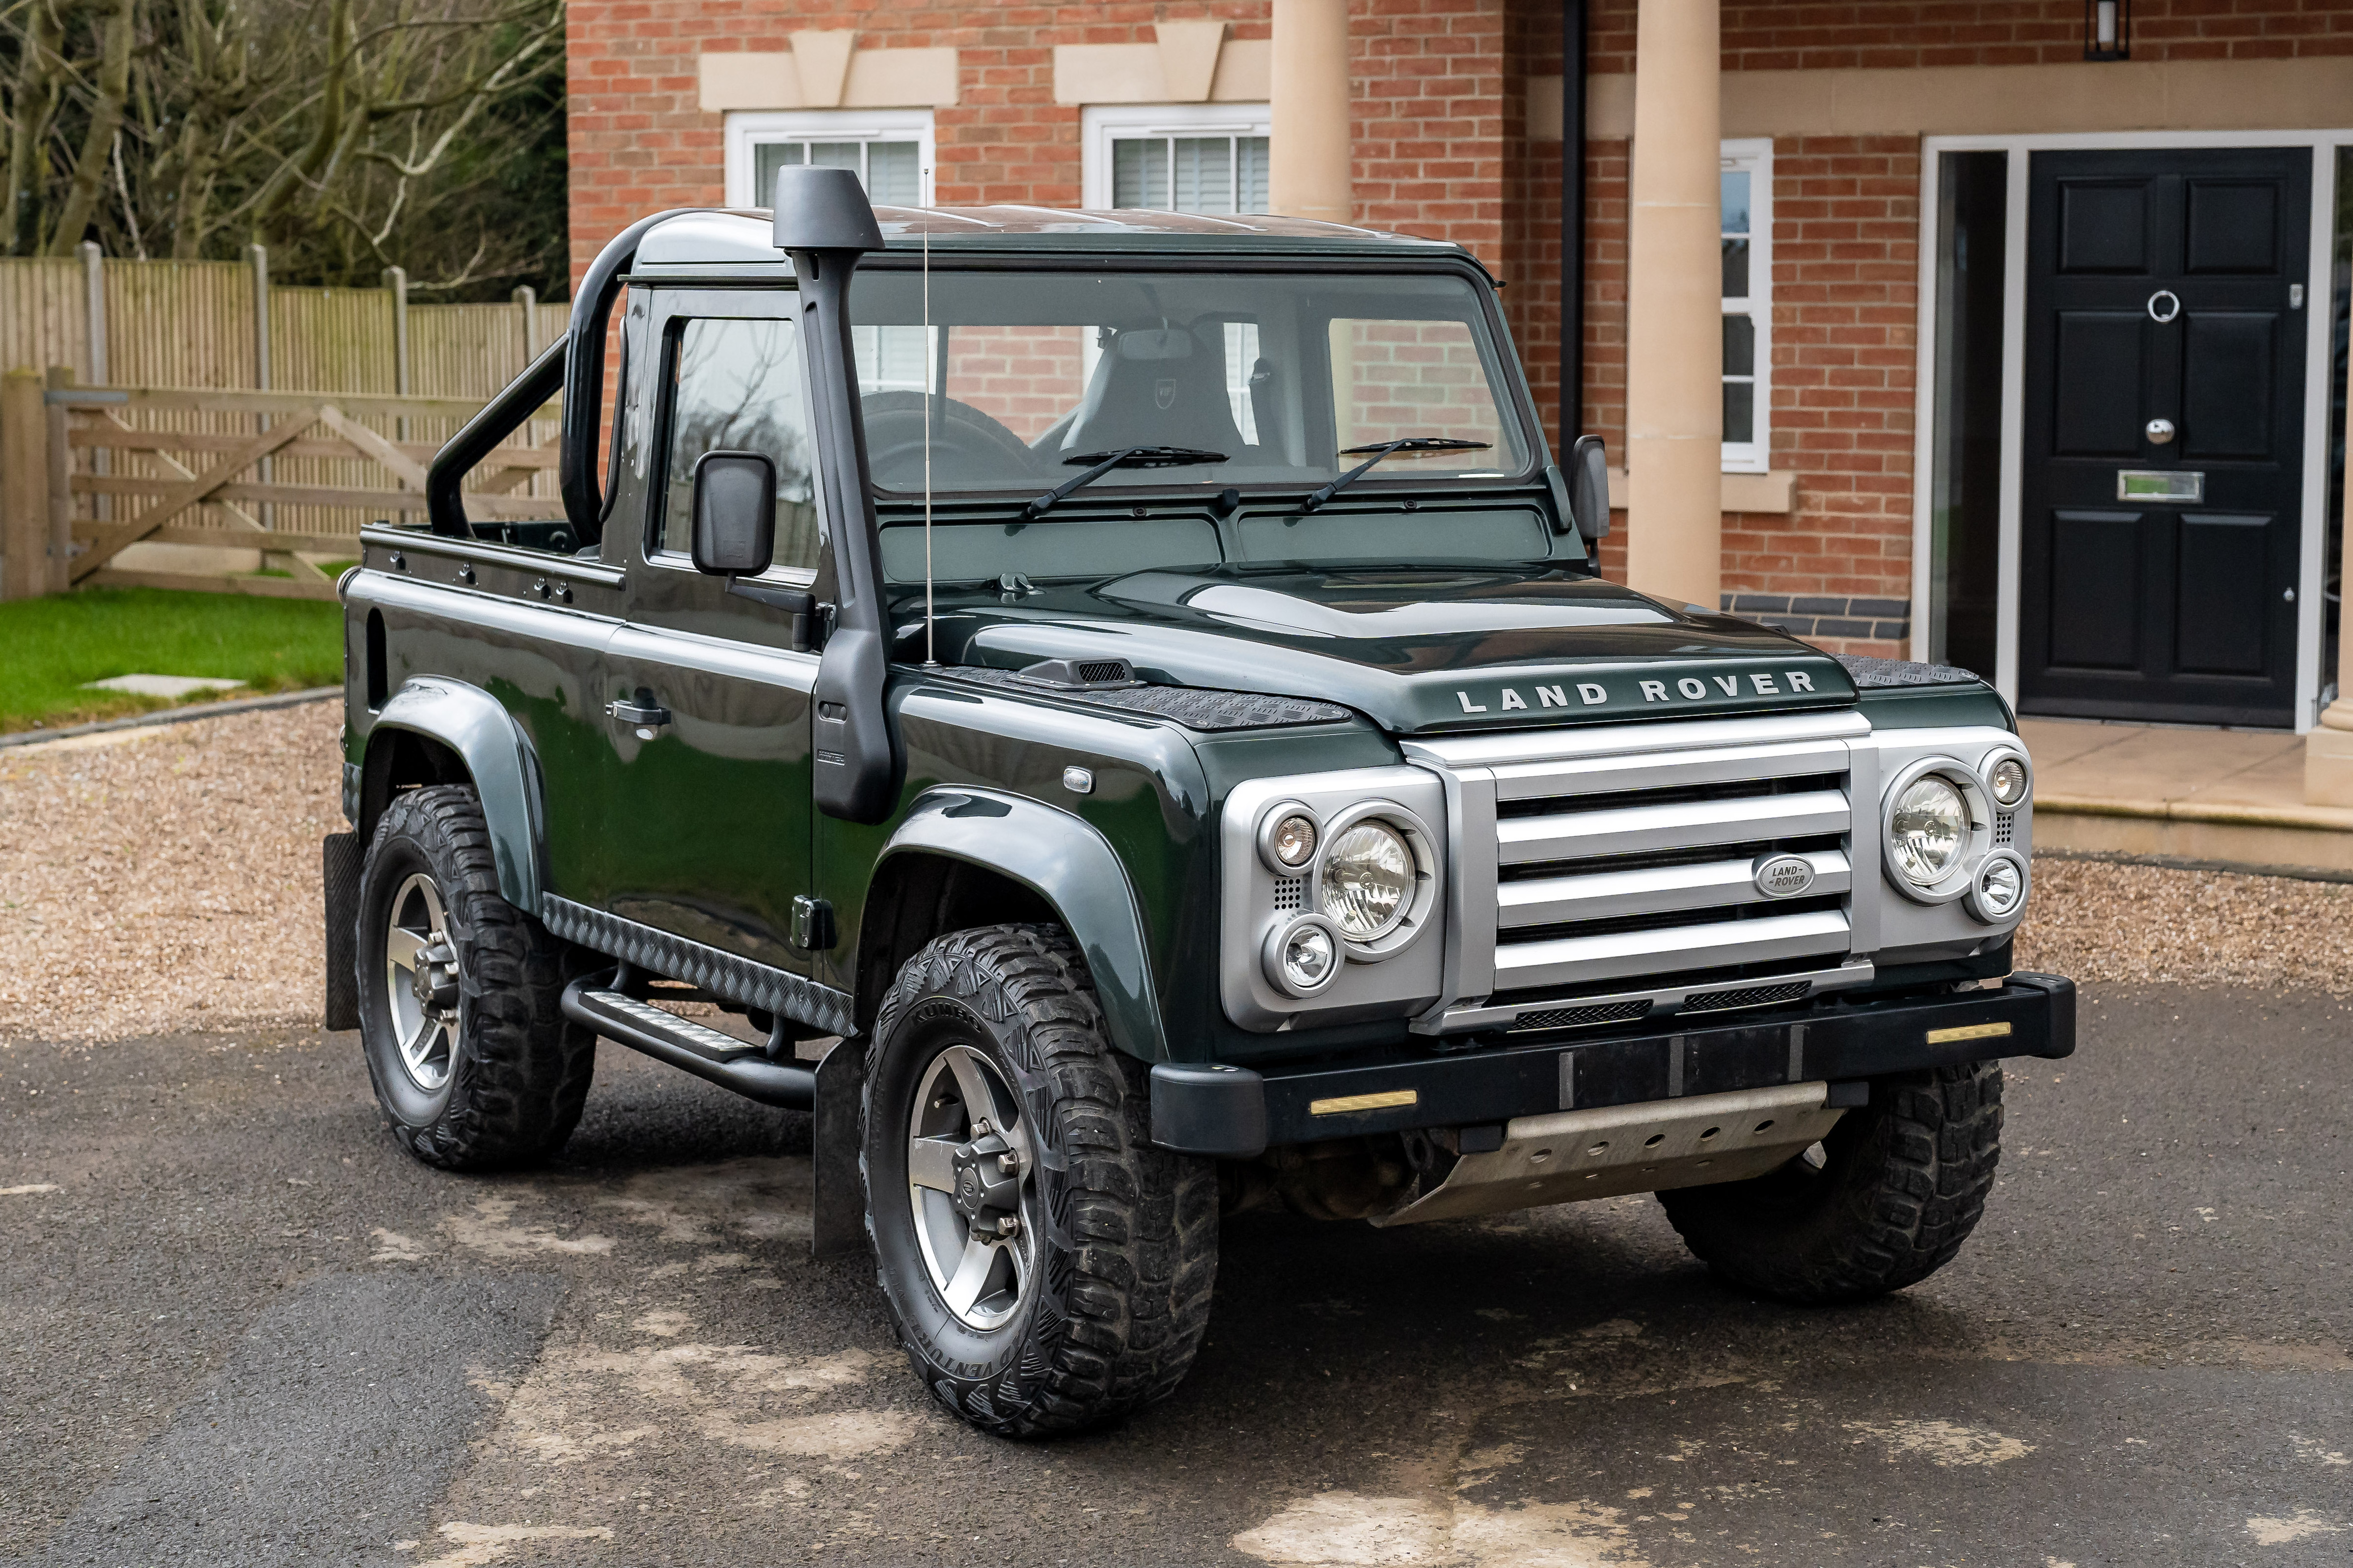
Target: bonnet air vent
x=1082 y=675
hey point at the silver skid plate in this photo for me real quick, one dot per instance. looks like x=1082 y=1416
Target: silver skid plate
x=1574 y=1155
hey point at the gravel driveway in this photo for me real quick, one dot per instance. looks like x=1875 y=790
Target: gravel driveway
x=163 y=879
x=167 y=879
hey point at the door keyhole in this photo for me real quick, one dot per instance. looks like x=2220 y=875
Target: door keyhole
x=2158 y=432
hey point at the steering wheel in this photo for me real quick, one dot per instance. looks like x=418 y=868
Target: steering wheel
x=968 y=447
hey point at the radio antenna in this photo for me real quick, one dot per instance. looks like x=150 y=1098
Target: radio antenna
x=931 y=358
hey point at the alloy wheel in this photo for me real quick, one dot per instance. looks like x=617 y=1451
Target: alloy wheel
x=421 y=983
x=971 y=1185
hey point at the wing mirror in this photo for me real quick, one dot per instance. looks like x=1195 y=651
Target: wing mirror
x=1588 y=487
x=734 y=513
x=735 y=535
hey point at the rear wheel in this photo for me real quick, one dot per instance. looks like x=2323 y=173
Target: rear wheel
x=460 y=994
x=1049 y=1269
x=1884 y=1201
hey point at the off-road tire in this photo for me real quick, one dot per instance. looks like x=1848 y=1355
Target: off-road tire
x=1119 y=1298
x=519 y=1069
x=1903 y=1184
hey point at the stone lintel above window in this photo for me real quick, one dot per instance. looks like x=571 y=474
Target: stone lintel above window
x=825 y=71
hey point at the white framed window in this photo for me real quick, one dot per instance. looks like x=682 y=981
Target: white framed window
x=890 y=149
x=1208 y=158
x=1747 y=186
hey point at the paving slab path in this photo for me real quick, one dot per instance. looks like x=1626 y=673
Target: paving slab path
x=242 y=1328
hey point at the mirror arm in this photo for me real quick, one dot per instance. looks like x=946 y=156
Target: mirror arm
x=798 y=602
x=1563 y=516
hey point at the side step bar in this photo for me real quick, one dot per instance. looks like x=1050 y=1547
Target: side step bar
x=722 y=1059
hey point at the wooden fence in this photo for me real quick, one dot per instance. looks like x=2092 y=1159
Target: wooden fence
x=197 y=403
x=192 y=467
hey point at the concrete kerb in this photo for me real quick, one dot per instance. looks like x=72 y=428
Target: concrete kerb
x=2269 y=841
x=194 y=711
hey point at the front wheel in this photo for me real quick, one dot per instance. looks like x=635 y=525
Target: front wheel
x=1884 y=1201
x=1049 y=1269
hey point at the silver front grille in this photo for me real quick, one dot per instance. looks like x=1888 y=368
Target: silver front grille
x=1599 y=863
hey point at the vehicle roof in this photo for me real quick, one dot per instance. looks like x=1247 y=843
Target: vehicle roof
x=731 y=237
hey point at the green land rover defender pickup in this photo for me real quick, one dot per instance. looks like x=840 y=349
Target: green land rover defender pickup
x=1140 y=684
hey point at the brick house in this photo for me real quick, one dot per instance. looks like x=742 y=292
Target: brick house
x=2032 y=342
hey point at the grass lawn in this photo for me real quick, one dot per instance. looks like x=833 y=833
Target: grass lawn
x=50 y=647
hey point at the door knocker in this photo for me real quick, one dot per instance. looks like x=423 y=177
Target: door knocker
x=2172 y=306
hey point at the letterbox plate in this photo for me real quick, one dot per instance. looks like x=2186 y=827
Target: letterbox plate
x=2160 y=484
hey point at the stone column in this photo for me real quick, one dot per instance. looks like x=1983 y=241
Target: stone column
x=1307 y=174
x=1674 y=330
x=2328 y=749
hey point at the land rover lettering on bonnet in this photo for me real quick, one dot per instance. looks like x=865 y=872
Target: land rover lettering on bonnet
x=1212 y=747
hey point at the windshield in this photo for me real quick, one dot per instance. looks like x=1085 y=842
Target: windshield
x=1278 y=374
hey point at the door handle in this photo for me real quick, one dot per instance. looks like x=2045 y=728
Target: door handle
x=641 y=714
x=2158 y=432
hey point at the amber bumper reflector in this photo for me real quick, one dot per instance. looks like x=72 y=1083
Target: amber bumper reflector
x=1387 y=1099
x=1968 y=1031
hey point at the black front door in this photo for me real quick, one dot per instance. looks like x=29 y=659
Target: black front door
x=2164 y=434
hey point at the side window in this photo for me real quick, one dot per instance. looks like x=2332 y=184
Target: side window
x=889 y=151
x=1747 y=186
x=736 y=386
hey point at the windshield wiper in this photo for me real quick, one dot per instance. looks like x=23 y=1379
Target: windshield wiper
x=1410 y=444
x=1126 y=456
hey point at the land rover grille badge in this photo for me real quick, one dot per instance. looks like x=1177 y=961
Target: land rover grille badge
x=1784 y=876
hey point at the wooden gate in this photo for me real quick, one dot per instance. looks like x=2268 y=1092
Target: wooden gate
x=292 y=474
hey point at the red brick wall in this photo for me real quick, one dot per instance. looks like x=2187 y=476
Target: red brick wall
x=1845 y=335
x=1429 y=122
x=640 y=141
x=1845 y=298
x=1767 y=35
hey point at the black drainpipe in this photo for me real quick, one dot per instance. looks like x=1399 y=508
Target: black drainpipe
x=1572 y=221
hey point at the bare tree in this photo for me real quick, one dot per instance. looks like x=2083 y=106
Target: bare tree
x=349 y=135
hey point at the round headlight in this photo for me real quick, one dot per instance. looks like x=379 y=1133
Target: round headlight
x=1928 y=831
x=2000 y=888
x=1293 y=841
x=2006 y=779
x=1368 y=881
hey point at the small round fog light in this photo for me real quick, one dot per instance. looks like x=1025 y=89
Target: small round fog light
x=1307 y=956
x=1293 y=841
x=1999 y=889
x=2006 y=779
x=1303 y=956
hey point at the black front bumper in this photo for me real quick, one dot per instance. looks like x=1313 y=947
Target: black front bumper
x=1234 y=1112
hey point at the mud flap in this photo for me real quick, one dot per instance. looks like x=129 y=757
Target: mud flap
x=339 y=867
x=837 y=1193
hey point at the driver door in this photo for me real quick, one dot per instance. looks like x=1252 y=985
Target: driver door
x=707 y=695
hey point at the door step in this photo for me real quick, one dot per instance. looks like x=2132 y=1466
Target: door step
x=708 y=1053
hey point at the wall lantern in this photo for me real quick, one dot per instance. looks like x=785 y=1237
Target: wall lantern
x=2107 y=30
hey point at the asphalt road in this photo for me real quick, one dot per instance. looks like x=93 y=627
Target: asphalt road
x=239 y=1325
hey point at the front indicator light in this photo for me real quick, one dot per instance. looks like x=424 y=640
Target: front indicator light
x=1292 y=842
x=1928 y=831
x=2006 y=780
